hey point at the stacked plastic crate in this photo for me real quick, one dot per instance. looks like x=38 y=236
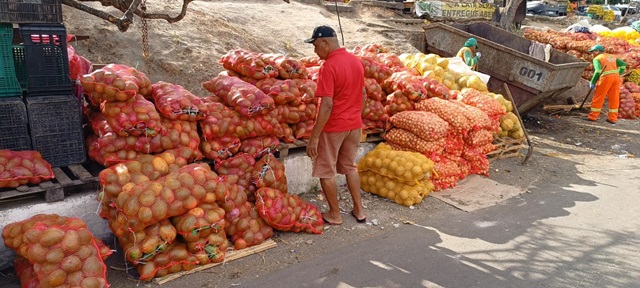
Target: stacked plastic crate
x=42 y=67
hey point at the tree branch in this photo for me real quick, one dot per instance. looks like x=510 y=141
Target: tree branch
x=128 y=8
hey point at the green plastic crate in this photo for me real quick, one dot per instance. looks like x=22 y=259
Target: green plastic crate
x=9 y=86
x=20 y=64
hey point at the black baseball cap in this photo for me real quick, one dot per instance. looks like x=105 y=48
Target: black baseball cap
x=321 y=32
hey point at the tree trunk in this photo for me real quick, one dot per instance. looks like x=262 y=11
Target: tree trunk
x=509 y=13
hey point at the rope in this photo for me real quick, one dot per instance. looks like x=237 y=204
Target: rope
x=339 y=22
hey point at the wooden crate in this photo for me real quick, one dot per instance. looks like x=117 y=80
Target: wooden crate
x=73 y=178
x=506 y=147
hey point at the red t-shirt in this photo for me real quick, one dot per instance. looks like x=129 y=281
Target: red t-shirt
x=341 y=77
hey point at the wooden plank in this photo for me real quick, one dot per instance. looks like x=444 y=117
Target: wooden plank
x=82 y=173
x=230 y=256
x=62 y=177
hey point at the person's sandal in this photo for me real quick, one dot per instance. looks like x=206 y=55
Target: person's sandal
x=363 y=220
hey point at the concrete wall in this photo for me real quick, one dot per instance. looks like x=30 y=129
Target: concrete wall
x=84 y=205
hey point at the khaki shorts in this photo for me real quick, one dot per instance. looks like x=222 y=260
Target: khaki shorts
x=337 y=153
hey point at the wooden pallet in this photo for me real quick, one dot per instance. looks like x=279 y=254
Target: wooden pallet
x=506 y=147
x=369 y=136
x=372 y=135
x=230 y=256
x=67 y=179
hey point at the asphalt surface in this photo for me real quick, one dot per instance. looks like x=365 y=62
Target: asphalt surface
x=577 y=230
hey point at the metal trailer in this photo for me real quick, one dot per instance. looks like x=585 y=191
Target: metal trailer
x=505 y=57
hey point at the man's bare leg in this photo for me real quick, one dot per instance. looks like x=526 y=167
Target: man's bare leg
x=353 y=182
x=330 y=189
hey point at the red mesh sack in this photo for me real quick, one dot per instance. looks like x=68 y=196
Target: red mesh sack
x=172 y=195
x=303 y=130
x=286 y=134
x=277 y=209
x=425 y=125
x=436 y=89
x=447 y=110
x=398 y=102
x=627 y=105
x=392 y=61
x=479 y=119
x=200 y=222
x=234 y=198
x=454 y=145
x=177 y=134
x=13 y=233
x=115 y=82
x=373 y=110
x=259 y=145
x=240 y=165
x=375 y=70
x=479 y=138
x=225 y=122
x=476 y=162
x=22 y=167
x=295 y=114
x=78 y=65
x=310 y=220
x=141 y=246
x=249 y=64
x=288 y=68
x=124 y=176
x=245 y=98
x=220 y=148
x=311 y=61
x=371 y=124
x=134 y=117
x=406 y=139
x=371 y=48
x=176 y=103
x=282 y=91
x=475 y=98
x=408 y=84
x=269 y=172
x=176 y=258
x=247 y=228
x=97 y=154
x=24 y=272
x=65 y=255
x=373 y=89
x=307 y=88
x=210 y=249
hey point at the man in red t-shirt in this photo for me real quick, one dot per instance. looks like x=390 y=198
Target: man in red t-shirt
x=335 y=139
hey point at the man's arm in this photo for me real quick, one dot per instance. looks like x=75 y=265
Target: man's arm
x=621 y=66
x=326 y=106
x=469 y=58
x=364 y=97
x=597 y=67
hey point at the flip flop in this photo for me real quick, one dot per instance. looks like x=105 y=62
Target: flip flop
x=363 y=220
x=329 y=222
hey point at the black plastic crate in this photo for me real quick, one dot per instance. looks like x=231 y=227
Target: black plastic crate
x=20 y=64
x=56 y=129
x=30 y=11
x=45 y=49
x=14 y=129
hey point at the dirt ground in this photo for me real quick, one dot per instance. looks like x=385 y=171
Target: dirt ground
x=187 y=53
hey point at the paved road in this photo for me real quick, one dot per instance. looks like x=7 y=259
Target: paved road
x=578 y=228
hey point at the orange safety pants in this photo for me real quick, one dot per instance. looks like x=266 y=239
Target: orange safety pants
x=608 y=85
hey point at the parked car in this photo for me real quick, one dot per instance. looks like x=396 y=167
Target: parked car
x=548 y=8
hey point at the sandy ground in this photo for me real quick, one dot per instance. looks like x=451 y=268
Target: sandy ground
x=187 y=52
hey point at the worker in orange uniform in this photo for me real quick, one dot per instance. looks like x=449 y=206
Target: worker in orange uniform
x=469 y=55
x=606 y=80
